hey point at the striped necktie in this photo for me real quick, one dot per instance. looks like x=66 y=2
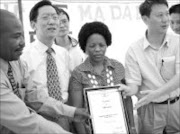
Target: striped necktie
x=53 y=82
x=12 y=80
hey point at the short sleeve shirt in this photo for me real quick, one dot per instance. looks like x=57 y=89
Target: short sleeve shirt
x=80 y=80
x=151 y=68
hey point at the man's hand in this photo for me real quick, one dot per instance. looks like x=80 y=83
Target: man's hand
x=81 y=115
x=126 y=90
x=149 y=95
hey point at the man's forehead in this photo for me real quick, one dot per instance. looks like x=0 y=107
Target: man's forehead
x=159 y=8
x=4 y=15
x=63 y=15
x=7 y=19
x=47 y=10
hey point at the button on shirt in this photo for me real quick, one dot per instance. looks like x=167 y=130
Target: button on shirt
x=35 y=56
x=151 y=68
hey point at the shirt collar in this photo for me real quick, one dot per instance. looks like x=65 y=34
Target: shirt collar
x=54 y=48
x=87 y=66
x=146 y=43
x=42 y=48
x=4 y=65
x=74 y=42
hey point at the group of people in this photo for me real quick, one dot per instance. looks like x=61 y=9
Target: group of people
x=34 y=87
x=41 y=87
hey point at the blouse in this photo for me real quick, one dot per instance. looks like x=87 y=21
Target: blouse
x=80 y=79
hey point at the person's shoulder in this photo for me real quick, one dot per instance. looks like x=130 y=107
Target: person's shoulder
x=18 y=65
x=137 y=42
x=173 y=36
x=136 y=46
x=116 y=63
x=73 y=41
x=80 y=67
x=59 y=48
x=173 y=39
x=118 y=67
x=29 y=48
x=83 y=67
x=26 y=55
x=78 y=71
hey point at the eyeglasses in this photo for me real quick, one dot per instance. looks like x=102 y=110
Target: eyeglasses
x=64 y=22
x=47 y=17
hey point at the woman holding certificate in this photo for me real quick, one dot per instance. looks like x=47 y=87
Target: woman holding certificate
x=97 y=70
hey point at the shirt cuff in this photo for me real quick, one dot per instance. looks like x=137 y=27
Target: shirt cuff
x=70 y=111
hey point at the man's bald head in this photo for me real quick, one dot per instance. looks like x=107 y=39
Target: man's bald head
x=5 y=13
x=6 y=18
x=11 y=36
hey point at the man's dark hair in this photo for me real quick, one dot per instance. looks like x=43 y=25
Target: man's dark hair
x=34 y=11
x=93 y=28
x=146 y=7
x=60 y=10
x=174 y=9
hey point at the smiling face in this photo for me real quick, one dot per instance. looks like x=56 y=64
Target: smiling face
x=11 y=38
x=46 y=25
x=96 y=48
x=175 y=22
x=158 y=21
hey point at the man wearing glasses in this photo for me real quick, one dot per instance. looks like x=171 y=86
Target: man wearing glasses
x=48 y=67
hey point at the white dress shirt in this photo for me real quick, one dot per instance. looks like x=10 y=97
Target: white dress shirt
x=35 y=56
x=76 y=54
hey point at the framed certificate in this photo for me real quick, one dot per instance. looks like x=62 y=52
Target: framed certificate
x=106 y=107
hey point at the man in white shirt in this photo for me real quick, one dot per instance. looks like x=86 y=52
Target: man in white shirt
x=153 y=64
x=63 y=39
x=41 y=64
x=149 y=96
x=15 y=115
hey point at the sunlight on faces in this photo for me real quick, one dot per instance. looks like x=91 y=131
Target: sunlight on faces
x=96 y=48
x=158 y=21
x=175 y=22
x=46 y=25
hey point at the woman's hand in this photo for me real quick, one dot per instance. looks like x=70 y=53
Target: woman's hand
x=81 y=114
x=128 y=90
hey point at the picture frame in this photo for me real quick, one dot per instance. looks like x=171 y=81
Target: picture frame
x=106 y=107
